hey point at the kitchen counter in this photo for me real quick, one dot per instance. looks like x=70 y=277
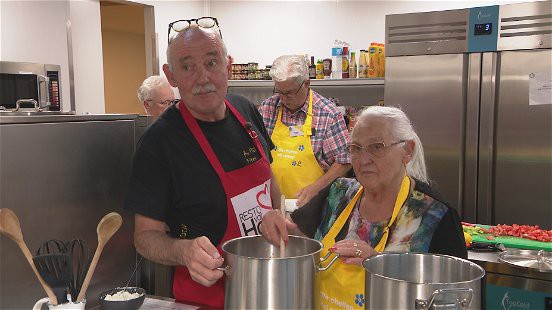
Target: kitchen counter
x=508 y=286
x=163 y=303
x=61 y=174
x=489 y=261
x=56 y=118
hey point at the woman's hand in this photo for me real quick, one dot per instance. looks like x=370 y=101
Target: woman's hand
x=353 y=251
x=274 y=227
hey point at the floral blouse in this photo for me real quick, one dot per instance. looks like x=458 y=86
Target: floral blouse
x=424 y=223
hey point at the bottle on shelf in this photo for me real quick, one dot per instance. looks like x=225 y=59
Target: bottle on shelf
x=312 y=69
x=336 y=60
x=352 y=66
x=381 y=58
x=319 y=70
x=362 y=65
x=345 y=63
x=328 y=69
x=373 y=67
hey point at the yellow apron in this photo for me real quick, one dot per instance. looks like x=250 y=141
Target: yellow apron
x=342 y=285
x=293 y=162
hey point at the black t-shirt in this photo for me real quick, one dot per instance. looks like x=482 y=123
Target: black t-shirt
x=172 y=180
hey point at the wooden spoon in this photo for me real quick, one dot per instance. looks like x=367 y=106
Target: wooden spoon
x=107 y=227
x=9 y=225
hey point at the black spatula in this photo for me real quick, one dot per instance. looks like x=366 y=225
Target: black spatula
x=56 y=270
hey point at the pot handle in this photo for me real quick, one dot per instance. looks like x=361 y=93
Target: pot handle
x=323 y=259
x=458 y=303
x=224 y=269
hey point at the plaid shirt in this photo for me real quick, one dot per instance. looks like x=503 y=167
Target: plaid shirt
x=330 y=135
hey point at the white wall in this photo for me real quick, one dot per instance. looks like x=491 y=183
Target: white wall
x=260 y=31
x=27 y=37
x=87 y=56
x=36 y=31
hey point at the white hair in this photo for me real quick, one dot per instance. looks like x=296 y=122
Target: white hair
x=208 y=31
x=401 y=129
x=145 y=91
x=289 y=67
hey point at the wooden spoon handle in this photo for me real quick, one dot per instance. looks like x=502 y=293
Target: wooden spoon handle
x=45 y=286
x=90 y=272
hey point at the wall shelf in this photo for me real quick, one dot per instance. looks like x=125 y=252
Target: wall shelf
x=340 y=82
x=349 y=92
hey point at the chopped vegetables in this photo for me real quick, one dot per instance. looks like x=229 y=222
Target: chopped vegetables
x=522 y=231
x=467 y=238
x=473 y=230
x=515 y=230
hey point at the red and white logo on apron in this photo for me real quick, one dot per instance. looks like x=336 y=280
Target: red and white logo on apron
x=250 y=207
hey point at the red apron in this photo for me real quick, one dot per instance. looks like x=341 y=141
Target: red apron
x=240 y=186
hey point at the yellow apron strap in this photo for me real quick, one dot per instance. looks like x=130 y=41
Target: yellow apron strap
x=279 y=118
x=342 y=219
x=399 y=202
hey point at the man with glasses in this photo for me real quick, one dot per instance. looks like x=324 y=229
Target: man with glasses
x=308 y=130
x=201 y=173
x=156 y=94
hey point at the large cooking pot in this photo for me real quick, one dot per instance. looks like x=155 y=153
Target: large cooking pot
x=257 y=278
x=422 y=281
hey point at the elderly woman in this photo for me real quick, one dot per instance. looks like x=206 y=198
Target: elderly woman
x=389 y=207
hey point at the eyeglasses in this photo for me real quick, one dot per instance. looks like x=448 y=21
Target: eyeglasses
x=376 y=150
x=162 y=103
x=183 y=24
x=289 y=94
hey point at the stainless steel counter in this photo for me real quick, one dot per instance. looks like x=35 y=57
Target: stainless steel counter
x=48 y=118
x=512 y=287
x=61 y=174
x=489 y=261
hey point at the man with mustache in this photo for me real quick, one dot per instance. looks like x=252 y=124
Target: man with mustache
x=201 y=173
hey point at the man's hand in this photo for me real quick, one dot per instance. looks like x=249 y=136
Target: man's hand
x=306 y=194
x=199 y=254
x=274 y=227
x=202 y=258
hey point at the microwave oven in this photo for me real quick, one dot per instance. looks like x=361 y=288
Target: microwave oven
x=34 y=83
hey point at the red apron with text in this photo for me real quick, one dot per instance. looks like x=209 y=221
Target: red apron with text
x=247 y=198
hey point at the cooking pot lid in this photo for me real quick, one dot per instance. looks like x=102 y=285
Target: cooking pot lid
x=539 y=260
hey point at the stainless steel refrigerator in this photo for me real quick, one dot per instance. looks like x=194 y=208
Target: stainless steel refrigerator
x=476 y=85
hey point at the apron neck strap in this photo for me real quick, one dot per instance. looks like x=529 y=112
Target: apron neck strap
x=307 y=126
x=399 y=202
x=198 y=134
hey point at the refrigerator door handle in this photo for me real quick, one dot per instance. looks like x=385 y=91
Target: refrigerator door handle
x=487 y=153
x=471 y=138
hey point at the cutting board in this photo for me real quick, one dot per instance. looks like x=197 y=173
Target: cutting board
x=513 y=242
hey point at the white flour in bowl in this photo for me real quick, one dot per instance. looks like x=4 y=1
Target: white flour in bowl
x=121 y=296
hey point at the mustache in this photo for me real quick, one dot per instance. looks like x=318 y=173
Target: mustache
x=201 y=89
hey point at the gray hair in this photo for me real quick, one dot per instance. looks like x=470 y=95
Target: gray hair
x=401 y=129
x=208 y=31
x=289 y=67
x=145 y=91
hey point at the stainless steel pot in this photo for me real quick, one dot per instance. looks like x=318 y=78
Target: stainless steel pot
x=422 y=281
x=257 y=278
